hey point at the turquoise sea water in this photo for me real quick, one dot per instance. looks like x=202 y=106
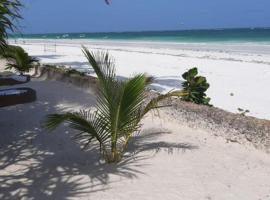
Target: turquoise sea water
x=257 y=35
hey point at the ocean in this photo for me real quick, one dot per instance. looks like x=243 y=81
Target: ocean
x=251 y=35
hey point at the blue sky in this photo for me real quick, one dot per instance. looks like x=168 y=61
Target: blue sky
x=60 y=16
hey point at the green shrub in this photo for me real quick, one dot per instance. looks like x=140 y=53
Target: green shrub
x=8 y=50
x=195 y=87
x=75 y=72
x=18 y=59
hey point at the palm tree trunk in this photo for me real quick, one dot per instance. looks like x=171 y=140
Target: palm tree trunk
x=114 y=148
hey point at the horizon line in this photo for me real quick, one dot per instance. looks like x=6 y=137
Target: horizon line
x=145 y=31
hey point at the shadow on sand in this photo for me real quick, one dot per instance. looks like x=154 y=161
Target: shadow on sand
x=165 y=84
x=35 y=164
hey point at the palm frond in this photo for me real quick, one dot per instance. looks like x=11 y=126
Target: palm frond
x=149 y=80
x=19 y=59
x=102 y=64
x=131 y=103
x=154 y=102
x=120 y=109
x=85 y=122
x=9 y=13
x=130 y=109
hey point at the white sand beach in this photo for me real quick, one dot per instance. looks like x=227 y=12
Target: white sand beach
x=139 y=100
x=168 y=160
x=238 y=74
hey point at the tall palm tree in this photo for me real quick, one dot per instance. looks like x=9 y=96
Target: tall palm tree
x=18 y=59
x=9 y=12
x=120 y=108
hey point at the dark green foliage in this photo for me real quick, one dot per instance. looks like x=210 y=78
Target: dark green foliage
x=9 y=13
x=75 y=72
x=120 y=108
x=60 y=69
x=64 y=69
x=9 y=50
x=195 y=87
x=19 y=59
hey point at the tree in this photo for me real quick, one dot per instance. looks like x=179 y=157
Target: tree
x=18 y=59
x=120 y=108
x=9 y=13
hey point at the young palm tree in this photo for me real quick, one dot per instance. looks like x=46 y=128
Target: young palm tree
x=9 y=12
x=120 y=109
x=19 y=60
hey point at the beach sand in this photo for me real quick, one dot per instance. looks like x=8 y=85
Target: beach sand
x=168 y=160
x=238 y=73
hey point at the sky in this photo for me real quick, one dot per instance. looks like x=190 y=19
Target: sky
x=65 y=16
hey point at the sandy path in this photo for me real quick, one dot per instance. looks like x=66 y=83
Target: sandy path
x=171 y=161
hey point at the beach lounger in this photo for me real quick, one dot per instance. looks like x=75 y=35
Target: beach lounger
x=9 y=97
x=14 y=79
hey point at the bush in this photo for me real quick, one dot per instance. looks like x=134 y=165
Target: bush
x=18 y=59
x=195 y=87
x=75 y=72
x=6 y=52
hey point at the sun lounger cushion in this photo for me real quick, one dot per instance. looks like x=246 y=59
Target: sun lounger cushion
x=15 y=96
x=14 y=79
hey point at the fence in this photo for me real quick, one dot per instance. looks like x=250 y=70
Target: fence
x=49 y=47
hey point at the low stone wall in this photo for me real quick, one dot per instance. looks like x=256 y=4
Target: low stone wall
x=234 y=127
x=58 y=74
